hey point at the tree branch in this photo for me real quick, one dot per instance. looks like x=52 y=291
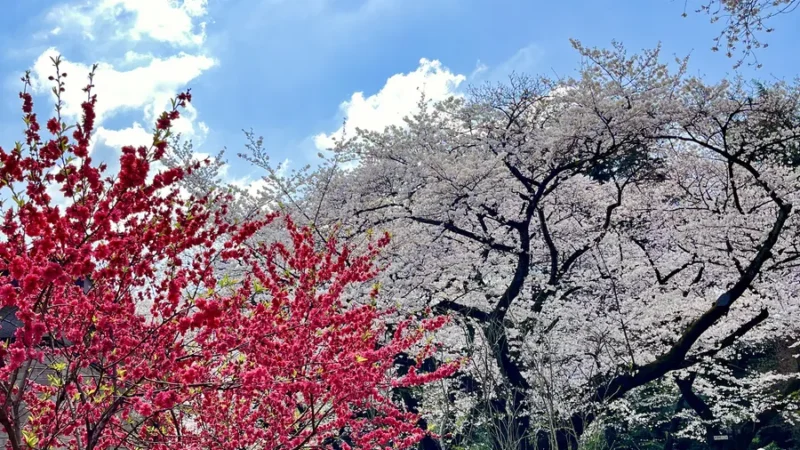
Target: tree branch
x=676 y=356
x=466 y=311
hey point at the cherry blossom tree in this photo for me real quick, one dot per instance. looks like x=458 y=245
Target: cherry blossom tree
x=595 y=238
x=159 y=349
x=743 y=22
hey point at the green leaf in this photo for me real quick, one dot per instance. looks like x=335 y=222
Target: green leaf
x=54 y=380
x=258 y=287
x=30 y=438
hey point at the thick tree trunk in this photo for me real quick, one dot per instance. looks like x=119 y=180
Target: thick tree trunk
x=515 y=429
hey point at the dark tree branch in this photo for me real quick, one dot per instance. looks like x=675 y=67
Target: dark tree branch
x=662 y=280
x=676 y=356
x=467 y=311
x=731 y=338
x=449 y=226
x=693 y=400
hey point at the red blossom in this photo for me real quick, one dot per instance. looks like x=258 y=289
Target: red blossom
x=27 y=102
x=17 y=357
x=163 y=122
x=140 y=329
x=51 y=272
x=7 y=295
x=53 y=126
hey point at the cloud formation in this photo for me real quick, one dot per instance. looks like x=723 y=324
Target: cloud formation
x=398 y=98
x=169 y=21
x=147 y=88
x=137 y=73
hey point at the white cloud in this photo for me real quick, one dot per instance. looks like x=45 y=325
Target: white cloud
x=147 y=87
x=524 y=61
x=168 y=21
x=142 y=135
x=135 y=135
x=132 y=57
x=72 y=17
x=479 y=69
x=132 y=78
x=398 y=98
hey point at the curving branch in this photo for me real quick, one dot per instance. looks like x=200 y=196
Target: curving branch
x=675 y=358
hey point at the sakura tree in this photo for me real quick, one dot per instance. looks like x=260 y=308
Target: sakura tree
x=595 y=238
x=156 y=349
x=743 y=22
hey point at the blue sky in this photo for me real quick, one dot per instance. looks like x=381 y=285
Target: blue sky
x=285 y=67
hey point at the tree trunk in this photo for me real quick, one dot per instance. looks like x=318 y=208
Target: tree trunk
x=516 y=426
